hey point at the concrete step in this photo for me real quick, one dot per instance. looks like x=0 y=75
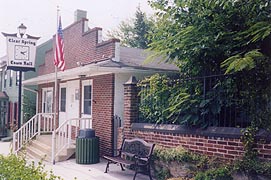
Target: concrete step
x=66 y=154
x=40 y=148
x=37 y=153
x=45 y=139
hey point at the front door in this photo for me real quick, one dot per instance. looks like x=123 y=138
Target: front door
x=73 y=99
x=68 y=101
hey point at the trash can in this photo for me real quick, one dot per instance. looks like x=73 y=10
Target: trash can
x=87 y=147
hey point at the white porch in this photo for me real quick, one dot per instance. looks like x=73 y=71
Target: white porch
x=56 y=143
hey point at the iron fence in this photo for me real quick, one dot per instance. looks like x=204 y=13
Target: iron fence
x=229 y=100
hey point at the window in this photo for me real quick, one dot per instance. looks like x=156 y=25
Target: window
x=17 y=78
x=63 y=100
x=10 y=78
x=47 y=101
x=87 y=99
x=5 y=79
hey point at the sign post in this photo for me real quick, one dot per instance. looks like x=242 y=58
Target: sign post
x=21 y=53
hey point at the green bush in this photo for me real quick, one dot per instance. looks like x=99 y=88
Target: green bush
x=14 y=167
x=202 y=167
x=179 y=154
x=162 y=174
x=215 y=174
x=192 y=162
x=253 y=167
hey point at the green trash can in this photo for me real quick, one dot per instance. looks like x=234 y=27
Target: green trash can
x=87 y=147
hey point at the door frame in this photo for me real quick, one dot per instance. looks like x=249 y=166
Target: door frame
x=62 y=115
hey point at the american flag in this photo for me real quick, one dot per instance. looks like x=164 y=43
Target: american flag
x=59 y=51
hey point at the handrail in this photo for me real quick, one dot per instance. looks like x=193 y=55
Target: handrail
x=66 y=133
x=41 y=122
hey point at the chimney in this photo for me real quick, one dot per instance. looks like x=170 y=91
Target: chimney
x=79 y=14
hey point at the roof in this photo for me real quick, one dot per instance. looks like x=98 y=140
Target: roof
x=136 y=58
x=3 y=95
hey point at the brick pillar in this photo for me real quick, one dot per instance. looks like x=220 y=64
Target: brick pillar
x=131 y=106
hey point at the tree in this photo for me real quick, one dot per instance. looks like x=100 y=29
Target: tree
x=133 y=32
x=200 y=35
x=208 y=37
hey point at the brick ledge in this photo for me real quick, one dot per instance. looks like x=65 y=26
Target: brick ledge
x=216 y=132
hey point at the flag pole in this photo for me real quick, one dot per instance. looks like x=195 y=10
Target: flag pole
x=55 y=100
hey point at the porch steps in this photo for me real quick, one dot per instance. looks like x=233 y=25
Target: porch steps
x=40 y=148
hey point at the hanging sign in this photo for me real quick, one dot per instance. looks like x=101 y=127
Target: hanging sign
x=21 y=53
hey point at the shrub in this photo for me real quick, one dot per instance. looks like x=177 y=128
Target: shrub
x=179 y=154
x=14 y=167
x=215 y=174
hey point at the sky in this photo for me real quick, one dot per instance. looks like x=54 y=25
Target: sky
x=40 y=16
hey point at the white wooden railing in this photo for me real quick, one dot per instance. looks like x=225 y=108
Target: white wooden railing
x=40 y=123
x=64 y=136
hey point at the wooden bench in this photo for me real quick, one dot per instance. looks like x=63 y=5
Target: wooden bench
x=135 y=153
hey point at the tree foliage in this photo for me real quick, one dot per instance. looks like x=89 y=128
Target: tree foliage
x=200 y=35
x=211 y=37
x=14 y=167
x=133 y=32
x=29 y=108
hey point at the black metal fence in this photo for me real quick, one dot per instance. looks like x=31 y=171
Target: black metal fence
x=224 y=100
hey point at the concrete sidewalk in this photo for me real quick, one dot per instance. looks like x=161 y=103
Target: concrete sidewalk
x=69 y=170
x=5 y=148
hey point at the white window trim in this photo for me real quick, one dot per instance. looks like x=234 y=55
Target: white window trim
x=43 y=91
x=87 y=83
x=62 y=85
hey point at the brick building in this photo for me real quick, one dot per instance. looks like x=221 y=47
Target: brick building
x=92 y=84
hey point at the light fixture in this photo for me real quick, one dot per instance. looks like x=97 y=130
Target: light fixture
x=22 y=29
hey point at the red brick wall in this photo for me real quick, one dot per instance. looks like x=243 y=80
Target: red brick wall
x=225 y=148
x=103 y=110
x=85 y=47
x=80 y=46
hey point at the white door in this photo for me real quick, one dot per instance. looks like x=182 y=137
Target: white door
x=87 y=98
x=73 y=99
x=68 y=101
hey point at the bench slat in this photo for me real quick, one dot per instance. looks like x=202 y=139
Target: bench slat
x=118 y=159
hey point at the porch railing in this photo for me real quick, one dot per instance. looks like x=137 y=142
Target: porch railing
x=64 y=136
x=40 y=123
